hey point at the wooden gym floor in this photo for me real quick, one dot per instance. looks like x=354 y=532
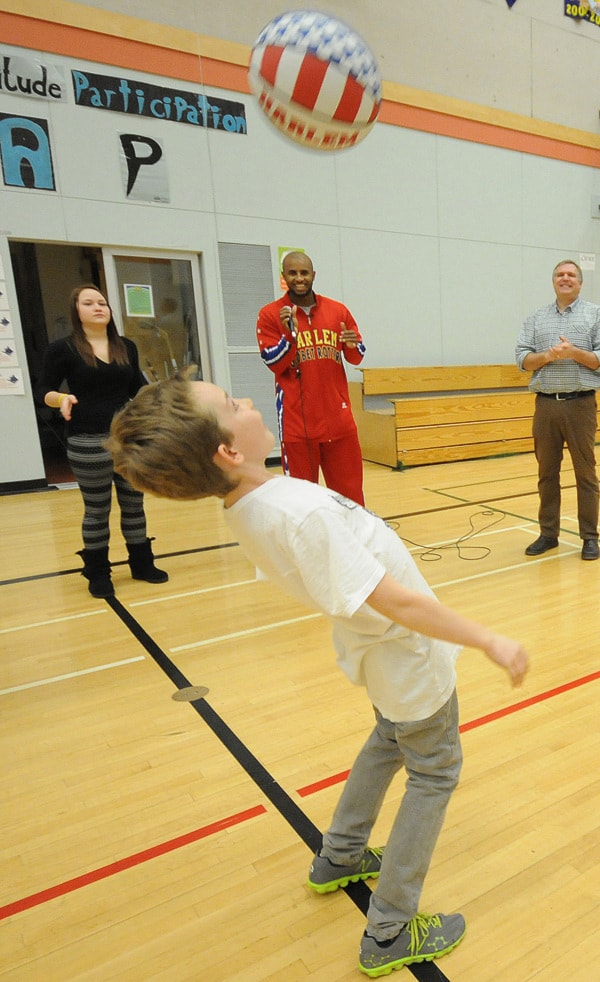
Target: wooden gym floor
x=145 y=837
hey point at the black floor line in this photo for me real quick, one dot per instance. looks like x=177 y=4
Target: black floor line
x=120 y=562
x=359 y=893
x=228 y=545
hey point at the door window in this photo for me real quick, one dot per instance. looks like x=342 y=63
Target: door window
x=158 y=312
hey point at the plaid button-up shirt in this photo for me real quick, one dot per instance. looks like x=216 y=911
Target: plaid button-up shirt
x=580 y=324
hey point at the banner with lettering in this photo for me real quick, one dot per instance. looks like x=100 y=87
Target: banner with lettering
x=20 y=75
x=585 y=10
x=25 y=152
x=144 y=169
x=137 y=98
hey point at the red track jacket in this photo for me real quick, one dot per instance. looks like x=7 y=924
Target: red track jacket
x=311 y=387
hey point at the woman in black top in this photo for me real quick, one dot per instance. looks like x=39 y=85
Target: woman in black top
x=102 y=373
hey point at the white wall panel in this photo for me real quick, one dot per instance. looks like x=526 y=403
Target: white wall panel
x=563 y=65
x=24 y=214
x=266 y=175
x=388 y=182
x=557 y=201
x=480 y=286
x=20 y=452
x=137 y=225
x=479 y=192
x=470 y=50
x=391 y=285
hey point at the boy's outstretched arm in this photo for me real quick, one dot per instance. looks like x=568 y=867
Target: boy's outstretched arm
x=425 y=615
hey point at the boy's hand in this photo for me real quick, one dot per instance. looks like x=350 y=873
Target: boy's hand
x=510 y=655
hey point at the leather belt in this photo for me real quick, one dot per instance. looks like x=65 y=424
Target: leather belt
x=567 y=395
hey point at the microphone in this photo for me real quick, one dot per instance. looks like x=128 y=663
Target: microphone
x=289 y=322
x=290 y=327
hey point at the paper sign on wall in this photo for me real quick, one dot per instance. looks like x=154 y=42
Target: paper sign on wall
x=139 y=301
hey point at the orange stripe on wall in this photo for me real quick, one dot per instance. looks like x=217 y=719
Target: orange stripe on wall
x=74 y=42
x=225 y=76
x=26 y=32
x=189 y=66
x=427 y=121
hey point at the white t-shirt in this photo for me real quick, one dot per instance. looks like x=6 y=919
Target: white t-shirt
x=330 y=553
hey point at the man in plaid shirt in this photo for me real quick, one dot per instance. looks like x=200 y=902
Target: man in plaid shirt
x=560 y=345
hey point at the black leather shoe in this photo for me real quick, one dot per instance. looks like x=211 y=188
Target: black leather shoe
x=590 y=549
x=545 y=542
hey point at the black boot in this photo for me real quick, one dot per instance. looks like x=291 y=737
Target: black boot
x=96 y=568
x=141 y=562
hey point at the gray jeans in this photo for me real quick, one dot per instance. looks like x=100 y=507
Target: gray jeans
x=430 y=752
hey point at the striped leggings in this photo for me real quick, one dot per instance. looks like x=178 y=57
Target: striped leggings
x=93 y=468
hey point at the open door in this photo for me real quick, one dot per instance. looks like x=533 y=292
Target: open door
x=156 y=300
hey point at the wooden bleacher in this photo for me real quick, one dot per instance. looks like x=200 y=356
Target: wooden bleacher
x=442 y=413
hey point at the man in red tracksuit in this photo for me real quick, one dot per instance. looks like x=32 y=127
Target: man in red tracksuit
x=302 y=338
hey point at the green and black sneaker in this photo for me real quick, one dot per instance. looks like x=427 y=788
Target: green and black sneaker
x=325 y=876
x=425 y=937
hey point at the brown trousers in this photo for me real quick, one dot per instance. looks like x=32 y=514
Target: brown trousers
x=573 y=422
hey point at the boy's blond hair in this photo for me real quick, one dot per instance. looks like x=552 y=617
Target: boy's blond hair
x=164 y=442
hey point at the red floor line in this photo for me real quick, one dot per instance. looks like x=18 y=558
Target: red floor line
x=533 y=701
x=127 y=863
x=325 y=783
x=35 y=899
x=471 y=725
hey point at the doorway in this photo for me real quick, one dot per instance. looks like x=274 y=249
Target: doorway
x=156 y=300
x=44 y=277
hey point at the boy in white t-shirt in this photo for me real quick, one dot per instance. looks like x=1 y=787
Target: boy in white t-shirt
x=186 y=440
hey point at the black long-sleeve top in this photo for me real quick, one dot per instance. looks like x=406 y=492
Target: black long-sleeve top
x=100 y=390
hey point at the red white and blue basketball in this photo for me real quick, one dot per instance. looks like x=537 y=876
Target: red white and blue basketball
x=315 y=79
